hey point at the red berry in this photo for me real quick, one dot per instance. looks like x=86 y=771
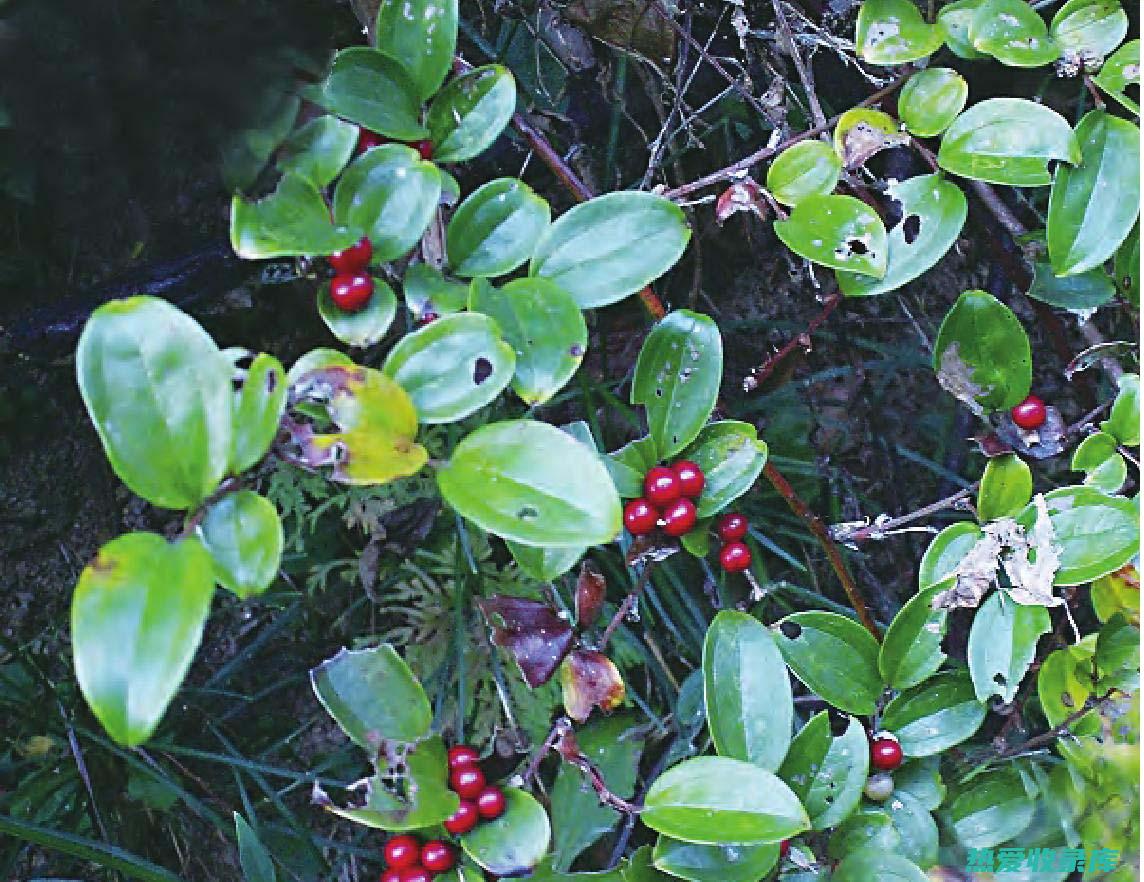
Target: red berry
x=427 y=316
x=491 y=803
x=734 y=557
x=679 y=517
x=784 y=848
x=425 y=148
x=367 y=139
x=391 y=875
x=416 y=873
x=691 y=479
x=467 y=781
x=661 y=486
x=462 y=755
x=885 y=753
x=353 y=259
x=463 y=819
x=732 y=526
x=640 y=517
x=351 y=293
x=402 y=851
x=1030 y=413
x=437 y=857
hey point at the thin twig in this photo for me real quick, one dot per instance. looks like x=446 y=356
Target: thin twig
x=758 y=375
x=804 y=73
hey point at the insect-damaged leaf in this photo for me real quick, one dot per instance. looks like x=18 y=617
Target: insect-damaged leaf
x=589 y=680
x=533 y=632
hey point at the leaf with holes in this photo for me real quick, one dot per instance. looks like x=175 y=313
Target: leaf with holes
x=365 y=327
x=731 y=456
x=826 y=772
x=319 y=150
x=1121 y=70
x=935 y=715
x=1006 y=487
x=243 y=533
x=1089 y=29
x=837 y=231
x=835 y=657
x=1123 y=422
x=258 y=406
x=422 y=36
x=1013 y=33
x=809 y=168
x=513 y=843
x=371 y=89
x=537 y=637
x=911 y=650
x=589 y=679
x=496 y=228
x=946 y=551
x=1002 y=645
x=931 y=99
x=293 y=221
x=714 y=863
x=894 y=32
x=471 y=112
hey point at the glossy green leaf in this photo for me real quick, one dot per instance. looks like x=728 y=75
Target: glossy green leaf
x=825 y=772
x=611 y=246
x=253 y=857
x=714 y=863
x=365 y=327
x=390 y=194
x=868 y=829
x=422 y=36
x=544 y=564
x=1118 y=648
x=427 y=290
x=677 y=377
x=921 y=779
x=1002 y=645
x=639 y=867
x=158 y=391
x=933 y=213
x=258 y=406
x=244 y=153
x=917 y=831
x=1123 y=422
x=293 y=221
x=955 y=19
x=993 y=809
x=935 y=715
x=911 y=650
x=808 y=168
x=317 y=359
x=1089 y=29
x=243 y=533
x=1008 y=141
x=1081 y=292
x=731 y=456
x=1063 y=690
x=747 y=691
x=835 y=657
x=1121 y=70
x=373 y=696
x=982 y=354
x=946 y=551
x=319 y=150
x=513 y=843
x=931 y=99
x=630 y=463
x=371 y=89
x=1104 y=467
x=496 y=228
x=452 y=367
x=544 y=327
x=1126 y=268
x=868 y=865
x=1117 y=592
x=1006 y=487
x=1013 y=33
x=471 y=112
x=1093 y=207
x=837 y=231
x=716 y=800
x=137 y=617
x=862 y=132
x=894 y=32
x=502 y=478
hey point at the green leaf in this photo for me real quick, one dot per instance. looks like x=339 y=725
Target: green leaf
x=917 y=831
x=867 y=830
x=391 y=194
x=630 y=463
x=243 y=533
x=422 y=36
x=716 y=800
x=1080 y=293
x=933 y=213
x=252 y=854
x=1118 y=648
x=911 y=650
x=1008 y=141
x=731 y=456
x=1124 y=421
x=365 y=327
x=319 y=150
x=513 y=843
x=746 y=690
x=371 y=89
x=1085 y=224
x=427 y=290
x=545 y=328
x=316 y=359
x=1089 y=29
x=1063 y=691
x=946 y=551
x=714 y=863
x=825 y=772
x=534 y=484
x=1006 y=487
x=1126 y=268
x=862 y=132
x=837 y=231
x=137 y=617
x=955 y=19
x=677 y=378
x=452 y=367
x=373 y=696
x=992 y=810
x=1121 y=70
x=544 y=564
x=1002 y=645
x=982 y=354
x=159 y=393
x=611 y=246
x=935 y=715
x=894 y=32
x=865 y=866
x=496 y=228
x=293 y=221
x=1013 y=33
x=809 y=168
x=931 y=100
x=471 y=112
x=921 y=779
x=835 y=657
x=244 y=153
x=1104 y=467
x=258 y=406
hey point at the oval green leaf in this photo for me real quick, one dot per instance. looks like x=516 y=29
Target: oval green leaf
x=911 y=650
x=496 y=228
x=993 y=809
x=809 y=168
x=837 y=231
x=422 y=36
x=935 y=715
x=1104 y=467
x=714 y=863
x=828 y=773
x=946 y=551
x=1089 y=29
x=867 y=865
x=1006 y=487
x=371 y=89
x=1123 y=422
x=1013 y=33
x=293 y=221
x=427 y=290
x=835 y=657
x=731 y=456
x=513 y=843
x=955 y=19
x=1081 y=293
x=471 y=112
x=319 y=150
x=258 y=407
x=366 y=326
x=1121 y=70
x=544 y=564
x=1002 y=644
x=931 y=100
x=243 y=533
x=894 y=32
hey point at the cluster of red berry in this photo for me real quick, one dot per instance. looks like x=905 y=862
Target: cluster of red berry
x=734 y=556
x=367 y=139
x=667 y=500
x=408 y=860
x=352 y=285
x=885 y=757
x=1030 y=414
x=479 y=800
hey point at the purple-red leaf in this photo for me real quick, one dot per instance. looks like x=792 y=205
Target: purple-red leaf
x=533 y=632
x=589 y=680
x=590 y=590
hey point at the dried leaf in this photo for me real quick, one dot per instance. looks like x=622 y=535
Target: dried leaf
x=745 y=195
x=649 y=549
x=591 y=587
x=1050 y=439
x=536 y=634
x=589 y=680
x=956 y=378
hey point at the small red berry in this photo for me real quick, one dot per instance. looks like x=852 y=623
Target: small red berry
x=353 y=259
x=416 y=873
x=425 y=148
x=367 y=139
x=679 y=517
x=351 y=293
x=462 y=755
x=427 y=316
x=885 y=753
x=691 y=478
x=491 y=803
x=661 y=486
x=467 y=781
x=1030 y=413
x=784 y=848
x=640 y=517
x=734 y=557
x=391 y=875
x=463 y=819
x=732 y=527
x=437 y=857
x=402 y=851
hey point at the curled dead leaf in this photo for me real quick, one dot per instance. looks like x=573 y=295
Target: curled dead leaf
x=589 y=679
x=591 y=586
x=537 y=635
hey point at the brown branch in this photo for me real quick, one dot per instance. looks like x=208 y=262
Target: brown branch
x=1047 y=738
x=759 y=374
x=626 y=607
